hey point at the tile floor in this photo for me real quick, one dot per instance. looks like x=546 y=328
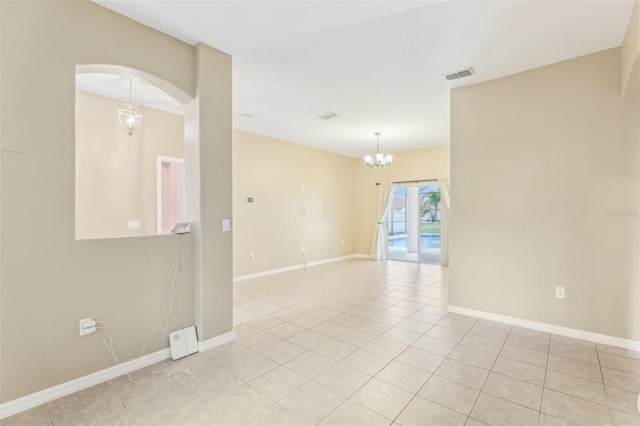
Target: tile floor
x=366 y=343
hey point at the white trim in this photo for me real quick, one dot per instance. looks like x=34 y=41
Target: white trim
x=333 y=259
x=549 y=328
x=141 y=77
x=295 y=267
x=38 y=398
x=265 y=273
x=159 y=160
x=216 y=341
x=41 y=397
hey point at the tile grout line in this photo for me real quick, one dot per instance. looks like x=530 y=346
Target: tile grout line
x=604 y=387
x=373 y=376
x=424 y=384
x=544 y=381
x=485 y=380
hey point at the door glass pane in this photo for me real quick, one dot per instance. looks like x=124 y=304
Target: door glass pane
x=397 y=225
x=413 y=224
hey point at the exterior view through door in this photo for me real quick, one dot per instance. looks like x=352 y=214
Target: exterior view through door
x=414 y=223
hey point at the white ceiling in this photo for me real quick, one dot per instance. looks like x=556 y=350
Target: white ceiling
x=379 y=65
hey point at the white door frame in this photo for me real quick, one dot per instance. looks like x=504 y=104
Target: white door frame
x=160 y=159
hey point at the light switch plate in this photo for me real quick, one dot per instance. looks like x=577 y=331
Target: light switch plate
x=226 y=225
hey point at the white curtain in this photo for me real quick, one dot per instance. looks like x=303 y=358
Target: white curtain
x=379 y=243
x=444 y=221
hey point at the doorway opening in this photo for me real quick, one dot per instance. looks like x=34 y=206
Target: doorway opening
x=414 y=223
x=170 y=187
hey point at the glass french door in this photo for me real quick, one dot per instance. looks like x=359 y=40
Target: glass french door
x=413 y=223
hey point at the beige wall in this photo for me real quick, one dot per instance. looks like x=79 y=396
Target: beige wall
x=340 y=195
x=537 y=160
x=48 y=279
x=274 y=172
x=208 y=181
x=116 y=176
x=430 y=163
x=631 y=55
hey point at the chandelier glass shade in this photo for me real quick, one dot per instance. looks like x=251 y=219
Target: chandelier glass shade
x=378 y=160
x=130 y=118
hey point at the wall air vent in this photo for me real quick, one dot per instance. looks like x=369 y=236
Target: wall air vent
x=460 y=74
x=327 y=116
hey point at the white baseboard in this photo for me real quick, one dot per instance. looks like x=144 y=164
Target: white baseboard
x=549 y=328
x=265 y=273
x=295 y=267
x=38 y=398
x=333 y=259
x=41 y=397
x=216 y=341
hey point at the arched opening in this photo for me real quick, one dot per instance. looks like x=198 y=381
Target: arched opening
x=117 y=190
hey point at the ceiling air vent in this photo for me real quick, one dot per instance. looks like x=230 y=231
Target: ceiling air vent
x=460 y=74
x=327 y=116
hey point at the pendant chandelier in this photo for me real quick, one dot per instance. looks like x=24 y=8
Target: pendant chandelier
x=378 y=160
x=130 y=118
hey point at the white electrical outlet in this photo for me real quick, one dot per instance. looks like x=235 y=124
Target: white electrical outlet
x=560 y=292
x=304 y=248
x=252 y=256
x=87 y=326
x=133 y=224
x=226 y=225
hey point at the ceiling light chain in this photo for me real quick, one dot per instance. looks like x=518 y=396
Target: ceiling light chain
x=378 y=160
x=130 y=118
